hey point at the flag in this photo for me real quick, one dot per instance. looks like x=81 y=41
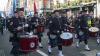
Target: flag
x=35 y=7
x=14 y=5
x=44 y=4
x=18 y=3
x=25 y=6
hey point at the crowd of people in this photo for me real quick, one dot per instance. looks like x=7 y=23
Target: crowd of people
x=57 y=23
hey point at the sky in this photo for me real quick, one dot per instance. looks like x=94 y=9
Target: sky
x=2 y=4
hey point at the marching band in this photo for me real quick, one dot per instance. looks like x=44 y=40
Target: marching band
x=26 y=34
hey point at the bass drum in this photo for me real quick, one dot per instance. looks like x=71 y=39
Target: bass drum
x=93 y=31
x=71 y=29
x=40 y=28
x=67 y=39
x=28 y=43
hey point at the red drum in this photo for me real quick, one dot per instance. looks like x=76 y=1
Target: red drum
x=71 y=29
x=67 y=39
x=40 y=28
x=93 y=31
x=28 y=43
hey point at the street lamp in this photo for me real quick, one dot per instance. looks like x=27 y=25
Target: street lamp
x=96 y=8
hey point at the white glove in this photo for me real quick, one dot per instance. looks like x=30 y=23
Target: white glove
x=26 y=25
x=19 y=28
x=58 y=31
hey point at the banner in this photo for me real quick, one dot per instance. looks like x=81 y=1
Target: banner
x=35 y=7
x=14 y=5
x=17 y=4
x=25 y=7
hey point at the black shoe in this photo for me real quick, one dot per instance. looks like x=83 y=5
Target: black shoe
x=98 y=44
x=40 y=47
x=49 y=53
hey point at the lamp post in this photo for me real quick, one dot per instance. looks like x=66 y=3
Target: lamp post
x=44 y=7
x=96 y=8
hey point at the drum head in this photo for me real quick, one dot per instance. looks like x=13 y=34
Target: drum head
x=66 y=35
x=93 y=29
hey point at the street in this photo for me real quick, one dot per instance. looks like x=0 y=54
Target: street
x=5 y=48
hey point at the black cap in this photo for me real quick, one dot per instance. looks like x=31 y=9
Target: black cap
x=15 y=11
x=68 y=10
x=56 y=11
x=21 y=9
x=64 y=11
x=83 y=11
x=35 y=12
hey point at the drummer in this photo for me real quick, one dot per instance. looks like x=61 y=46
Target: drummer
x=82 y=29
x=98 y=25
x=13 y=23
x=18 y=22
x=1 y=25
x=35 y=21
x=65 y=20
x=56 y=23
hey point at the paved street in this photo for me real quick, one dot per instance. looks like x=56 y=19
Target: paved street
x=5 y=48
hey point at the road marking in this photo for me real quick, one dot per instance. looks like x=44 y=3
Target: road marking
x=89 y=53
x=42 y=53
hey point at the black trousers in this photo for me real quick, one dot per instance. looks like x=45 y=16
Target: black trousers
x=40 y=36
x=85 y=41
x=55 y=42
x=83 y=37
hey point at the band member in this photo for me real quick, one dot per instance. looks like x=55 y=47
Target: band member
x=82 y=29
x=97 y=24
x=1 y=25
x=56 y=25
x=18 y=26
x=65 y=19
x=35 y=22
x=90 y=19
x=76 y=24
x=23 y=22
x=13 y=38
x=98 y=40
x=12 y=24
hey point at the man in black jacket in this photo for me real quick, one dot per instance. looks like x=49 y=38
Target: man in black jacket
x=1 y=25
x=34 y=23
x=82 y=29
x=17 y=26
x=56 y=25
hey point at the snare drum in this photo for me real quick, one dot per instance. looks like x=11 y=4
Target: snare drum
x=93 y=31
x=40 y=28
x=28 y=43
x=67 y=38
x=19 y=29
